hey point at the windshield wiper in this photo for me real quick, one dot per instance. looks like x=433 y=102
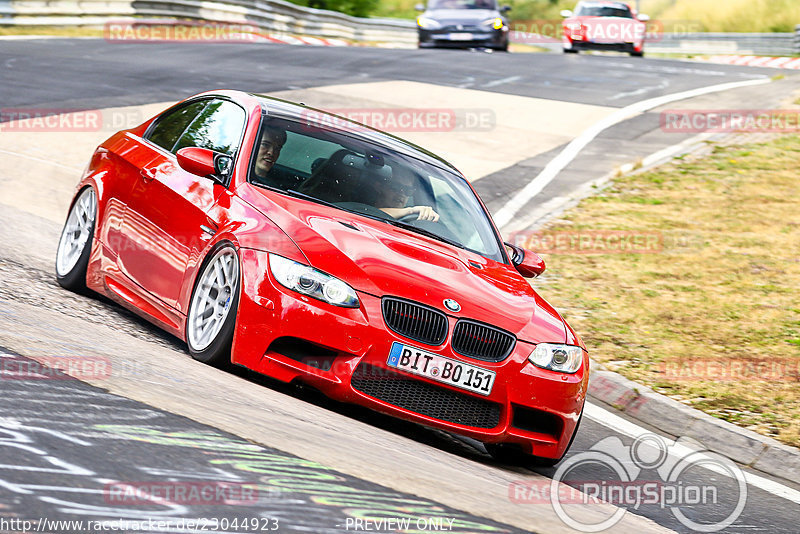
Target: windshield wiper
x=424 y=232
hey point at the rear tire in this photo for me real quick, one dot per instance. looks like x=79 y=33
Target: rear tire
x=637 y=54
x=211 y=318
x=75 y=243
x=570 y=51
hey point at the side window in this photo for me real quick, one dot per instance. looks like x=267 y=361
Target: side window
x=172 y=124
x=301 y=152
x=218 y=127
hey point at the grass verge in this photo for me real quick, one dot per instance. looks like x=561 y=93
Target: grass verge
x=712 y=317
x=57 y=31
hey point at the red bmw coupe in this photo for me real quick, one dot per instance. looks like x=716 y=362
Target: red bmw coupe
x=604 y=25
x=308 y=247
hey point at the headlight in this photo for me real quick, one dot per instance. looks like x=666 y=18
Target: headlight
x=496 y=23
x=427 y=23
x=557 y=357
x=311 y=282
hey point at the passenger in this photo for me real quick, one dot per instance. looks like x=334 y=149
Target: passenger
x=272 y=141
x=392 y=195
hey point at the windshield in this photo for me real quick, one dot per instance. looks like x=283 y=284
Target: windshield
x=462 y=4
x=319 y=164
x=604 y=10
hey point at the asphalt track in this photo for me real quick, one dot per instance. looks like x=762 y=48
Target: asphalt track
x=455 y=477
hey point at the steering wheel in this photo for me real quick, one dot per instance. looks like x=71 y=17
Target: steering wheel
x=409 y=217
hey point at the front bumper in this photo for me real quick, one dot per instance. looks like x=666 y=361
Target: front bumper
x=343 y=353
x=466 y=38
x=628 y=47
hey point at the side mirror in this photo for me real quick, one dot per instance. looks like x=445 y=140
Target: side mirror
x=505 y=9
x=204 y=162
x=643 y=17
x=529 y=264
x=566 y=13
x=420 y=7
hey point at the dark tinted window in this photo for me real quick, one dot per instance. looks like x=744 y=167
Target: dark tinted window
x=172 y=124
x=320 y=163
x=604 y=10
x=218 y=127
x=462 y=4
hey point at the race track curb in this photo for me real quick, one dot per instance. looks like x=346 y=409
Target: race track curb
x=668 y=415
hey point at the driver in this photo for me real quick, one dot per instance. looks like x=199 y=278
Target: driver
x=269 y=149
x=392 y=196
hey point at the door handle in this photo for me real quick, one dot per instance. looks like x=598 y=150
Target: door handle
x=148 y=174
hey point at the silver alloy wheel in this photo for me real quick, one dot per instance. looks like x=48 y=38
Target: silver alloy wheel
x=77 y=232
x=212 y=299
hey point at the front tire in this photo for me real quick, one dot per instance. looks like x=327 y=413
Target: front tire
x=75 y=244
x=211 y=318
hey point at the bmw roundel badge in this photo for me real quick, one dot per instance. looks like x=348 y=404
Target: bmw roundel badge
x=452 y=305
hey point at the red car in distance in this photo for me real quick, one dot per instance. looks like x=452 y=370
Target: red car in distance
x=322 y=251
x=604 y=25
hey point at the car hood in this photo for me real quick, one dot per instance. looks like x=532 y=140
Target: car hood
x=461 y=16
x=611 y=29
x=377 y=258
x=606 y=20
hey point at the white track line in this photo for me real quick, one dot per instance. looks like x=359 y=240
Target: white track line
x=557 y=164
x=622 y=426
x=41 y=160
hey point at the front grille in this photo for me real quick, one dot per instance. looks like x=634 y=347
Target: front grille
x=415 y=321
x=463 y=28
x=480 y=341
x=424 y=398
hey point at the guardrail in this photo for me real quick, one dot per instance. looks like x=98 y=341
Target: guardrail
x=757 y=44
x=281 y=17
x=273 y=16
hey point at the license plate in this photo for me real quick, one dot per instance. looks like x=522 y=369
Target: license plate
x=441 y=369
x=460 y=36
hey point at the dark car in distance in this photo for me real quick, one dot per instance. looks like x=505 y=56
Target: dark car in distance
x=463 y=24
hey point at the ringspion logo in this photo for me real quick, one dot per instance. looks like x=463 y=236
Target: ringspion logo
x=650 y=472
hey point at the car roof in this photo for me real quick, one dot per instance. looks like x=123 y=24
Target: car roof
x=605 y=3
x=612 y=3
x=284 y=109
